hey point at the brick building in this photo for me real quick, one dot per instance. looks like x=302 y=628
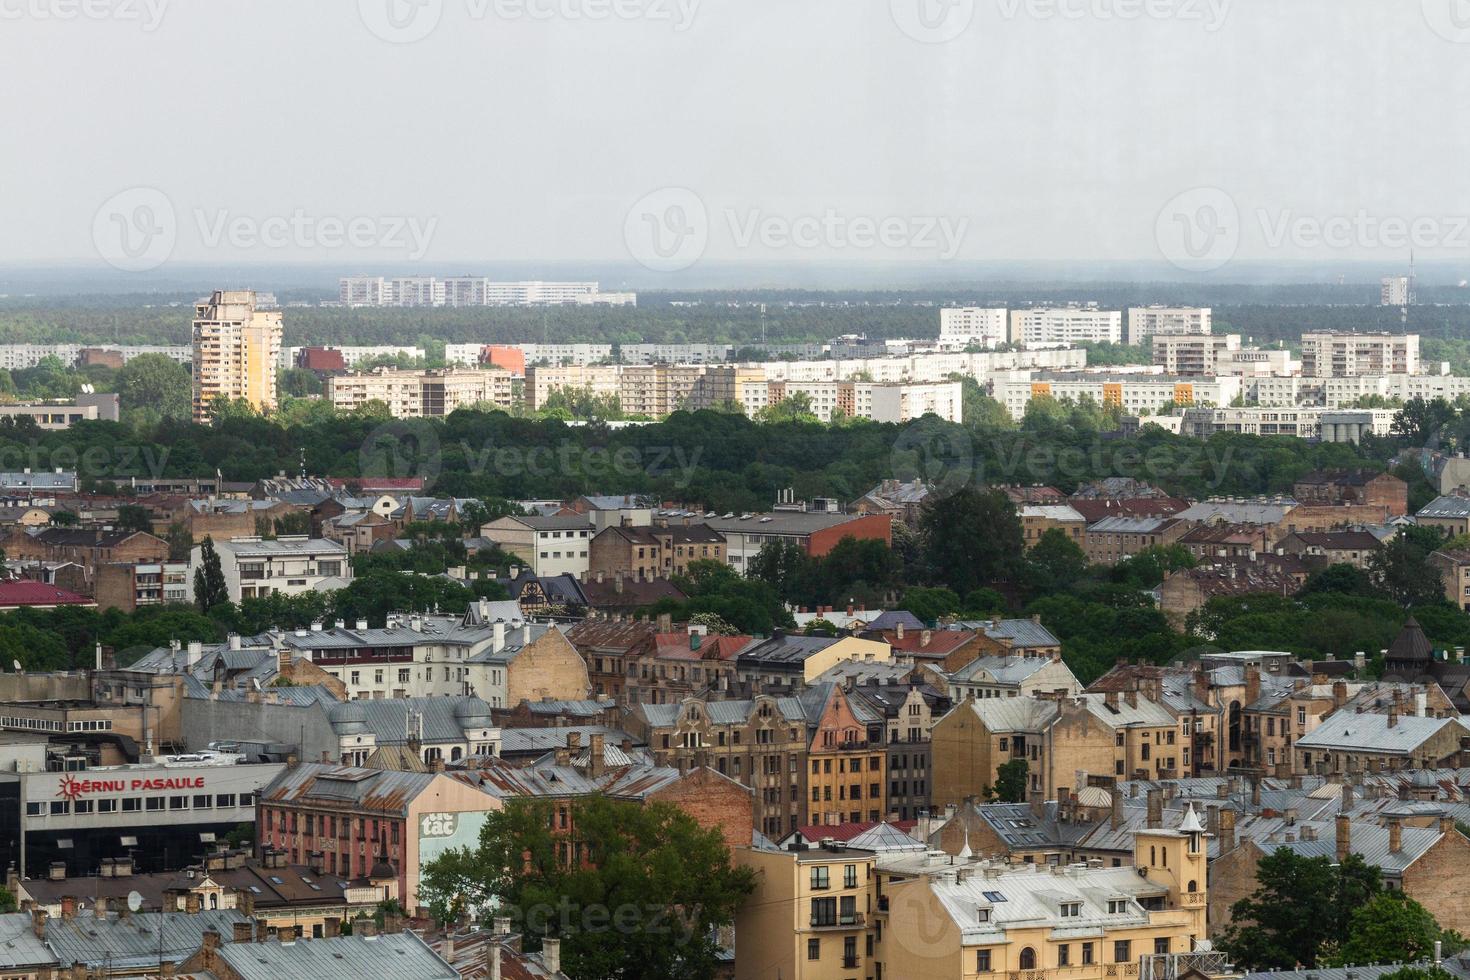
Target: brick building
x=1360 y=487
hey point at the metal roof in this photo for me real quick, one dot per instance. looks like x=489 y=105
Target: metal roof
x=1371 y=732
x=1451 y=505
x=402 y=956
x=136 y=941
x=19 y=946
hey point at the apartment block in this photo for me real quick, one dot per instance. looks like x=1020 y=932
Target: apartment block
x=1166 y=321
x=422 y=394
x=1066 y=325
x=237 y=347
x=290 y=565
x=971 y=326
x=1134 y=394
x=1193 y=355
x=131 y=586
x=1346 y=355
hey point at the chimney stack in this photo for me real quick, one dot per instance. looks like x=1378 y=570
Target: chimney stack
x=1344 y=837
x=1227 y=830
x=1155 y=809
x=551 y=955
x=1395 y=835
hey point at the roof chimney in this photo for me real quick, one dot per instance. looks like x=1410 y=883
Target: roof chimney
x=1155 y=809
x=1395 y=835
x=551 y=955
x=1344 y=837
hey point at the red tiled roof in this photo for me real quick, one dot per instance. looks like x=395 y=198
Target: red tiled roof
x=940 y=641
x=676 y=646
x=847 y=831
x=24 y=593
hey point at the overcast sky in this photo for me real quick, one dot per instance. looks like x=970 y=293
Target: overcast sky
x=673 y=132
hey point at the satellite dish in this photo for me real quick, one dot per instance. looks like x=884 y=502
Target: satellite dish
x=16 y=664
x=135 y=901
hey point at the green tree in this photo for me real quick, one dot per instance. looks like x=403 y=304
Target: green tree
x=210 y=589
x=131 y=517
x=796 y=407
x=971 y=538
x=297 y=383
x=1010 y=782
x=1281 y=924
x=1401 y=569
x=180 y=541
x=1055 y=563
x=155 y=387
x=1421 y=421
x=1391 y=928
x=665 y=881
x=64 y=518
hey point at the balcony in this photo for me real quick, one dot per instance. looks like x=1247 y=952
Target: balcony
x=853 y=921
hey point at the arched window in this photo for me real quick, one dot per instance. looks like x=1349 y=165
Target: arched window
x=214 y=900
x=1028 y=958
x=455 y=754
x=1193 y=886
x=1153 y=857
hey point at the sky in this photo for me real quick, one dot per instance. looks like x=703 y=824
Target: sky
x=442 y=136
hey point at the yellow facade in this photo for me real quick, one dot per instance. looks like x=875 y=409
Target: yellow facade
x=236 y=348
x=849 y=648
x=809 y=917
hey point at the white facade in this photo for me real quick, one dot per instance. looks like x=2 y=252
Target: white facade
x=1162 y=321
x=1134 y=394
x=1396 y=291
x=1066 y=325
x=462 y=291
x=1195 y=355
x=904 y=403
x=1323 y=424
x=674 y=353
x=291 y=565
x=19 y=357
x=1252 y=362
x=961 y=327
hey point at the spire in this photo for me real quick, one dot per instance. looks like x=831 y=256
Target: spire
x=1190 y=824
x=965 y=852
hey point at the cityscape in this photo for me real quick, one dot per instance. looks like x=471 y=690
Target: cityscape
x=666 y=490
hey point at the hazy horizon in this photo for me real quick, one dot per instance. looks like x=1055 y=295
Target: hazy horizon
x=670 y=141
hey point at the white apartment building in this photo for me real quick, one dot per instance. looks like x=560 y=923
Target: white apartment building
x=1345 y=355
x=1253 y=362
x=1396 y=291
x=1324 y=424
x=415 y=291
x=579 y=354
x=1163 y=321
x=607 y=299
x=1194 y=355
x=1066 y=325
x=422 y=394
x=962 y=327
x=1134 y=394
x=19 y=357
x=541 y=380
x=550 y=545
x=674 y=353
x=363 y=291
x=291 y=565
x=906 y=402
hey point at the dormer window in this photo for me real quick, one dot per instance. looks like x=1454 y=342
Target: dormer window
x=982 y=915
x=1117 y=906
x=1071 y=910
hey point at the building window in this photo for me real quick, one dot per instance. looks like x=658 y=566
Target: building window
x=982 y=961
x=1028 y=959
x=813 y=949
x=1064 y=955
x=820 y=880
x=1087 y=954
x=1161 y=946
x=1122 y=950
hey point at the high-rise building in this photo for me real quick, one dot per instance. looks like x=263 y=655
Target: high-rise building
x=1066 y=325
x=1397 y=291
x=1348 y=355
x=236 y=347
x=961 y=327
x=1167 y=321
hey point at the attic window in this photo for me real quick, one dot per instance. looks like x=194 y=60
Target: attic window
x=1071 y=910
x=994 y=897
x=1117 y=906
x=982 y=915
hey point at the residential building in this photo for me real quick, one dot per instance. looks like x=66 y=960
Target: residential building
x=131 y=586
x=1145 y=322
x=657 y=551
x=847 y=774
x=55 y=416
x=607 y=646
x=1345 y=355
x=422 y=394
x=908 y=709
x=1193 y=356
x=1037 y=519
x=1396 y=291
x=1360 y=487
x=1332 y=547
x=902 y=501
x=761 y=743
x=24 y=594
x=291 y=564
x=1134 y=394
x=1346 y=743
x=371 y=822
x=236 y=350
x=1453 y=565
x=1084 y=921
x=1114 y=539
x=550 y=545
x=1450 y=513
x=1066 y=325
x=815 y=533
x=964 y=327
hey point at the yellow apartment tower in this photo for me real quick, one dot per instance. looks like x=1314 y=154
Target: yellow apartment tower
x=235 y=351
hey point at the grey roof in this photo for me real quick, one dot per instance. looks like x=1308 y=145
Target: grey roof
x=1011 y=714
x=383 y=790
x=576 y=522
x=1451 y=505
x=1000 y=670
x=19 y=947
x=780 y=522
x=1366 y=971
x=445 y=719
x=283 y=546
x=516 y=640
x=1239 y=511
x=519 y=741
x=135 y=941
x=784 y=650
x=38 y=481
x=1129 y=525
x=1371 y=732
x=720 y=712
x=402 y=956
x=892 y=619
x=1018 y=632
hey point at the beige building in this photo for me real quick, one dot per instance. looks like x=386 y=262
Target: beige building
x=236 y=349
x=884 y=906
x=423 y=394
x=1350 y=355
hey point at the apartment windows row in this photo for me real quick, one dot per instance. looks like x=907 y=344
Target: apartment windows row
x=139 y=804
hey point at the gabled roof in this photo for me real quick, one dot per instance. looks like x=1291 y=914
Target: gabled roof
x=402 y=956
x=1370 y=732
x=22 y=592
